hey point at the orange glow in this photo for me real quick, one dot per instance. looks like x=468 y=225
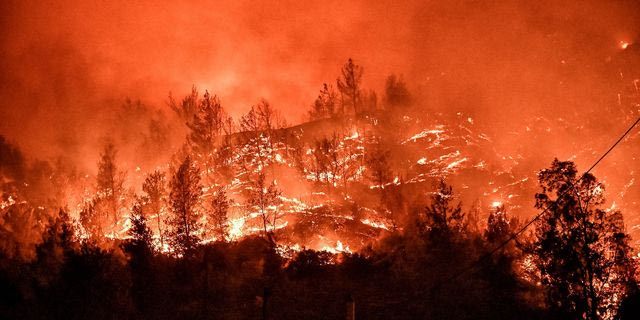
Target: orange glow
x=624 y=44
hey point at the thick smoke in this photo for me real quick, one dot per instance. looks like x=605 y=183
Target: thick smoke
x=67 y=67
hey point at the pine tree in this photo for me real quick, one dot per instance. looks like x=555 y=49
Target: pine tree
x=349 y=87
x=110 y=180
x=325 y=104
x=183 y=200
x=223 y=155
x=218 y=215
x=443 y=221
x=207 y=124
x=499 y=226
x=187 y=108
x=154 y=187
x=139 y=232
x=378 y=166
x=140 y=253
x=57 y=241
x=581 y=250
x=396 y=93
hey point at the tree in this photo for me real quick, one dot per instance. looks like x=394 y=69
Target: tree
x=110 y=180
x=19 y=230
x=369 y=102
x=183 y=200
x=473 y=218
x=500 y=227
x=396 y=93
x=265 y=198
x=91 y=219
x=218 y=215
x=580 y=250
x=261 y=117
x=139 y=232
x=57 y=241
x=141 y=258
x=349 y=87
x=223 y=155
x=208 y=138
x=257 y=127
x=187 y=108
x=378 y=166
x=443 y=221
x=207 y=124
x=325 y=104
x=323 y=163
x=154 y=187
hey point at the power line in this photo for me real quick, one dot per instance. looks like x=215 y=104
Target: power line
x=538 y=216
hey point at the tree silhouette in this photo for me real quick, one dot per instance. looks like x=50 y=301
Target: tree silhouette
x=183 y=200
x=218 y=214
x=499 y=226
x=110 y=180
x=396 y=93
x=325 y=104
x=376 y=159
x=207 y=124
x=91 y=219
x=154 y=187
x=349 y=87
x=187 y=108
x=139 y=232
x=265 y=198
x=141 y=259
x=442 y=220
x=580 y=250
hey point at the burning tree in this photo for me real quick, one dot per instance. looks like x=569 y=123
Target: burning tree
x=218 y=215
x=187 y=108
x=110 y=181
x=349 y=86
x=210 y=128
x=265 y=198
x=183 y=200
x=580 y=250
x=325 y=104
x=443 y=221
x=207 y=124
x=257 y=127
x=324 y=162
x=396 y=93
x=90 y=220
x=154 y=187
x=499 y=225
x=139 y=232
x=377 y=162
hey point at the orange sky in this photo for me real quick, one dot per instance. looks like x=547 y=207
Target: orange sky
x=65 y=64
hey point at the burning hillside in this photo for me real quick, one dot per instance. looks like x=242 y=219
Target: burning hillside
x=495 y=175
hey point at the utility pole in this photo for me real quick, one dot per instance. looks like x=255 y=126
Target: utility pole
x=351 y=308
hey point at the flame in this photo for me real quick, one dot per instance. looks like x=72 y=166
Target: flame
x=624 y=44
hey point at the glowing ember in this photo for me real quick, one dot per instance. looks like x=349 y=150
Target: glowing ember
x=624 y=44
